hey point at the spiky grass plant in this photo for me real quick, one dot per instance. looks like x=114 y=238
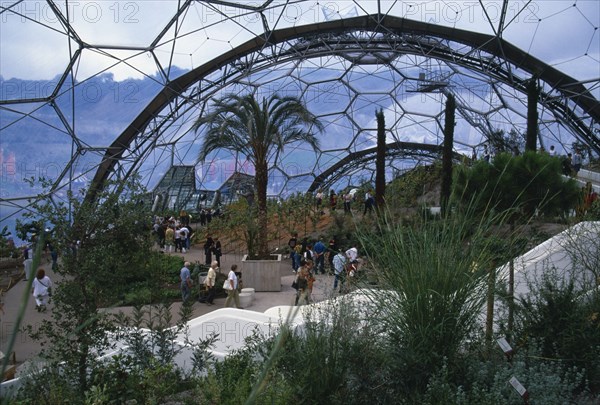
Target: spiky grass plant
x=435 y=278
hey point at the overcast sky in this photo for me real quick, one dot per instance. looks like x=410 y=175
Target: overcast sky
x=34 y=45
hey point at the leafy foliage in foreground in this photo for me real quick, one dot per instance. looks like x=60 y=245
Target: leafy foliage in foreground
x=435 y=276
x=422 y=342
x=99 y=241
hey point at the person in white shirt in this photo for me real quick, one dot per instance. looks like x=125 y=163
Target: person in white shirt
x=339 y=266
x=210 y=282
x=232 y=290
x=178 y=244
x=576 y=162
x=42 y=290
x=352 y=254
x=185 y=238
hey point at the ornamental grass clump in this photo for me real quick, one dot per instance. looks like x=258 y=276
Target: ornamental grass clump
x=435 y=279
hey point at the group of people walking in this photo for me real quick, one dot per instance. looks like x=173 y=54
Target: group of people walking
x=232 y=284
x=308 y=261
x=348 y=198
x=176 y=235
x=173 y=234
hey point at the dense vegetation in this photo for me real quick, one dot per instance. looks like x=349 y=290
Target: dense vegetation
x=418 y=338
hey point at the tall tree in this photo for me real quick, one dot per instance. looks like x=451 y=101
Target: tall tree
x=447 y=152
x=380 y=161
x=99 y=247
x=260 y=131
x=533 y=93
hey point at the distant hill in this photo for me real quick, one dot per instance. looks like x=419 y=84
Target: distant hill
x=37 y=137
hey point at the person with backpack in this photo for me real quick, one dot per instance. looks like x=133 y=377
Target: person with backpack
x=309 y=253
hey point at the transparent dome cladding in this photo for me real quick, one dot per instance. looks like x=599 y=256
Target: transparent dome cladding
x=77 y=76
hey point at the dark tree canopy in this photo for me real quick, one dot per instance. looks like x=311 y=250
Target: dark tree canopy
x=530 y=183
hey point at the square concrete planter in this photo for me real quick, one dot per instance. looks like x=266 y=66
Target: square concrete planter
x=262 y=275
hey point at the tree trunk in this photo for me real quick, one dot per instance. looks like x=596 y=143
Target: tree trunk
x=380 y=161
x=532 y=115
x=261 y=181
x=447 y=154
x=511 y=290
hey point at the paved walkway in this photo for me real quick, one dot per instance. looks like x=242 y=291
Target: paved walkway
x=25 y=348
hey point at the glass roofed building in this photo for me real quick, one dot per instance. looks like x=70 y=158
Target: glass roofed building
x=91 y=91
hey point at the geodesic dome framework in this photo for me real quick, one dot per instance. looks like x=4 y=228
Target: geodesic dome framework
x=162 y=64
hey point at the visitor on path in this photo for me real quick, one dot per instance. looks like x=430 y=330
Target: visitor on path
x=53 y=255
x=576 y=162
x=292 y=243
x=240 y=282
x=211 y=277
x=169 y=239
x=487 y=156
x=310 y=280
x=348 y=197
x=369 y=202
x=178 y=245
x=332 y=200
x=186 y=281
x=208 y=248
x=185 y=238
x=218 y=251
x=319 y=202
x=319 y=256
x=339 y=270
x=42 y=290
x=161 y=235
x=309 y=253
x=233 y=296
x=184 y=218
x=302 y=284
x=332 y=249
x=352 y=254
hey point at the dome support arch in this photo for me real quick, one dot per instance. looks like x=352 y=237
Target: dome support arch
x=569 y=100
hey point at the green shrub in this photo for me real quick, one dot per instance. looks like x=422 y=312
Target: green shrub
x=434 y=278
x=405 y=190
x=138 y=296
x=331 y=360
x=531 y=183
x=562 y=317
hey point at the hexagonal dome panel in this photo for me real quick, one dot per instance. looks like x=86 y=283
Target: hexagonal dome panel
x=99 y=90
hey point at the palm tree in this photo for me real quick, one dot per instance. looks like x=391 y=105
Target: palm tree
x=260 y=131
